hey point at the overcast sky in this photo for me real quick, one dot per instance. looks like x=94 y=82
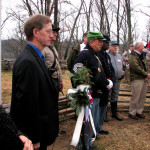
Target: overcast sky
x=140 y=4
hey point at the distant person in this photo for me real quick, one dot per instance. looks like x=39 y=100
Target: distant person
x=139 y=76
x=10 y=137
x=78 y=48
x=126 y=66
x=110 y=74
x=148 y=56
x=116 y=61
x=51 y=56
x=34 y=108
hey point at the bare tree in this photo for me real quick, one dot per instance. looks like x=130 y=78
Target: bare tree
x=146 y=34
x=56 y=43
x=16 y=42
x=72 y=30
x=112 y=17
x=87 y=10
x=102 y=13
x=44 y=7
x=128 y=12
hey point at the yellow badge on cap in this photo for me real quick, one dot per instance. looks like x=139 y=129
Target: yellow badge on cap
x=99 y=69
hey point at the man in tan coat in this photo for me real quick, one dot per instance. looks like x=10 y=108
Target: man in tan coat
x=51 y=56
x=138 y=76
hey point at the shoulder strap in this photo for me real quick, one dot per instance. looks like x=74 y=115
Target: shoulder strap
x=99 y=69
x=55 y=57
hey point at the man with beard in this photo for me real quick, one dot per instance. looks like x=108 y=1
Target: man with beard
x=116 y=60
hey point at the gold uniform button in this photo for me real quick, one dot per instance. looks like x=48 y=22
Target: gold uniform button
x=99 y=69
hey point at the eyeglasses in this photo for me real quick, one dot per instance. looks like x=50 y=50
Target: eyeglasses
x=49 y=31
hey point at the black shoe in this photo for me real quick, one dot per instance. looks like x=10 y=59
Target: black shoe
x=140 y=116
x=133 y=117
x=93 y=147
x=97 y=138
x=116 y=117
x=104 y=132
x=106 y=120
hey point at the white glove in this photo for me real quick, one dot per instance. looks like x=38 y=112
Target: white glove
x=110 y=85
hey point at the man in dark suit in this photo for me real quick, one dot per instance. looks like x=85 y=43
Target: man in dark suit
x=34 y=107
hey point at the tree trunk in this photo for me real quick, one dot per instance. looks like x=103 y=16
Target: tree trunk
x=128 y=10
x=118 y=23
x=72 y=31
x=56 y=24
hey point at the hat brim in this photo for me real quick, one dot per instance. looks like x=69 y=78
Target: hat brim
x=100 y=38
x=56 y=29
x=106 y=40
x=114 y=44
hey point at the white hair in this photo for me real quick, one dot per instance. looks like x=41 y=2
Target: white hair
x=137 y=44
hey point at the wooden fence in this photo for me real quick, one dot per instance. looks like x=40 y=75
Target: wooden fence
x=124 y=100
x=65 y=112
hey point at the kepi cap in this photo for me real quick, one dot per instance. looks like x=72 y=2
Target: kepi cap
x=106 y=38
x=113 y=43
x=94 y=35
x=55 y=28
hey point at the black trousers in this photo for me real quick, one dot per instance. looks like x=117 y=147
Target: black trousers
x=43 y=146
x=56 y=82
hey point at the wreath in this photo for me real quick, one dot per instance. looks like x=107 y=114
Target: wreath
x=80 y=96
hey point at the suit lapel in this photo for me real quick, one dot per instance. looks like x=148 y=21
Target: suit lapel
x=43 y=66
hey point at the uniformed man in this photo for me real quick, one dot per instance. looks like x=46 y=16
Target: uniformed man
x=51 y=56
x=110 y=74
x=89 y=58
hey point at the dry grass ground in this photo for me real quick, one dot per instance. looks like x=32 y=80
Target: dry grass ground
x=126 y=135
x=6 y=86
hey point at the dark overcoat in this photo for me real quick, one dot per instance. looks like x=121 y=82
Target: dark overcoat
x=34 y=105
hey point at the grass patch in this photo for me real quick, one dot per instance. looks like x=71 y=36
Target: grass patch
x=6 y=86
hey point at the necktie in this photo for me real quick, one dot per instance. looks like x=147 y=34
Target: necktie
x=43 y=59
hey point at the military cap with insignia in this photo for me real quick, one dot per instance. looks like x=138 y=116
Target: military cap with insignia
x=106 y=38
x=55 y=28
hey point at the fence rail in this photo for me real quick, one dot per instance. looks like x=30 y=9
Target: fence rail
x=65 y=112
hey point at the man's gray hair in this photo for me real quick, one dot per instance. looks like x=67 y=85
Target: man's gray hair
x=137 y=44
x=88 y=41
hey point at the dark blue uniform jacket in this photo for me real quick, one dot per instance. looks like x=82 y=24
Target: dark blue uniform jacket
x=107 y=66
x=87 y=58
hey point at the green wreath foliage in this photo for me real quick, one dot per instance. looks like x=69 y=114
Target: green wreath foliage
x=82 y=76
x=79 y=99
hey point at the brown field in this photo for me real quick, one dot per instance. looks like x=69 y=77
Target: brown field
x=6 y=86
x=125 y=135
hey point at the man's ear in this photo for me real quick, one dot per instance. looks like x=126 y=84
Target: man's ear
x=35 y=32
